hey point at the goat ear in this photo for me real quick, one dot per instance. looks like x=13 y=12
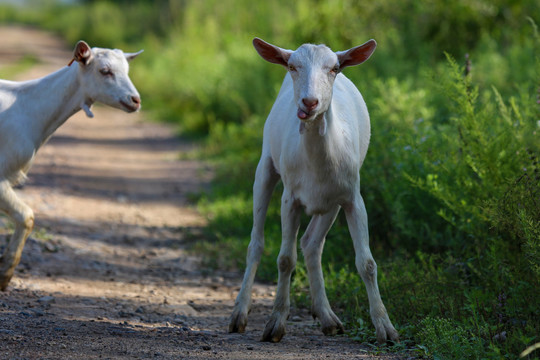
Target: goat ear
x=131 y=56
x=272 y=53
x=356 y=55
x=82 y=53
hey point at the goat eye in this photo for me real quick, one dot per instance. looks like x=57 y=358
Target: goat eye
x=106 y=72
x=292 y=68
x=335 y=69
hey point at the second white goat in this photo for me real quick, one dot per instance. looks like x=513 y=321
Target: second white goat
x=31 y=111
x=315 y=140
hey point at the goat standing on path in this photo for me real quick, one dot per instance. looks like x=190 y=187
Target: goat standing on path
x=315 y=140
x=31 y=111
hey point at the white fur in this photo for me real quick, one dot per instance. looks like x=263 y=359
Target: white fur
x=31 y=111
x=315 y=140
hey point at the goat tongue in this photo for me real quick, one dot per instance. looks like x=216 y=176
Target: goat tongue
x=302 y=114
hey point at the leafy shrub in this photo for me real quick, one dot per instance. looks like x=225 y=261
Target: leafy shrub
x=448 y=340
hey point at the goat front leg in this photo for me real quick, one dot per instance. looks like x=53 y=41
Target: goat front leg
x=265 y=181
x=290 y=222
x=358 y=226
x=24 y=222
x=312 y=243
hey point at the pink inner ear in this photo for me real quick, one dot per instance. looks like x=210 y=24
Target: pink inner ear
x=270 y=52
x=356 y=55
x=83 y=53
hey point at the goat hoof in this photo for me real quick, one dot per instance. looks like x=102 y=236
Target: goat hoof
x=238 y=322
x=3 y=285
x=387 y=333
x=274 y=330
x=393 y=335
x=330 y=323
x=333 y=330
x=4 y=281
x=5 y=276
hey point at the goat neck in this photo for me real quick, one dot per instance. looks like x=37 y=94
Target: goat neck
x=325 y=142
x=60 y=95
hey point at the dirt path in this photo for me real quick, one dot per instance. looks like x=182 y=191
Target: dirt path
x=105 y=274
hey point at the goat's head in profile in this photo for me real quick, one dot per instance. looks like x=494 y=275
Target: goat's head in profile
x=104 y=77
x=313 y=69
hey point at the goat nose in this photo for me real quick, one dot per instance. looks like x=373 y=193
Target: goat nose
x=310 y=103
x=136 y=100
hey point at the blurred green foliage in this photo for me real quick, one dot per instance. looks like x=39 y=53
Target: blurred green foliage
x=24 y=63
x=451 y=181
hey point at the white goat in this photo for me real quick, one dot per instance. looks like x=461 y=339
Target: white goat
x=315 y=139
x=31 y=111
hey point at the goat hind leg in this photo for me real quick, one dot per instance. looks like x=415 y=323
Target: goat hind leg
x=24 y=223
x=265 y=181
x=312 y=246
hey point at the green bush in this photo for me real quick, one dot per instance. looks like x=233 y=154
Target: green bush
x=448 y=340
